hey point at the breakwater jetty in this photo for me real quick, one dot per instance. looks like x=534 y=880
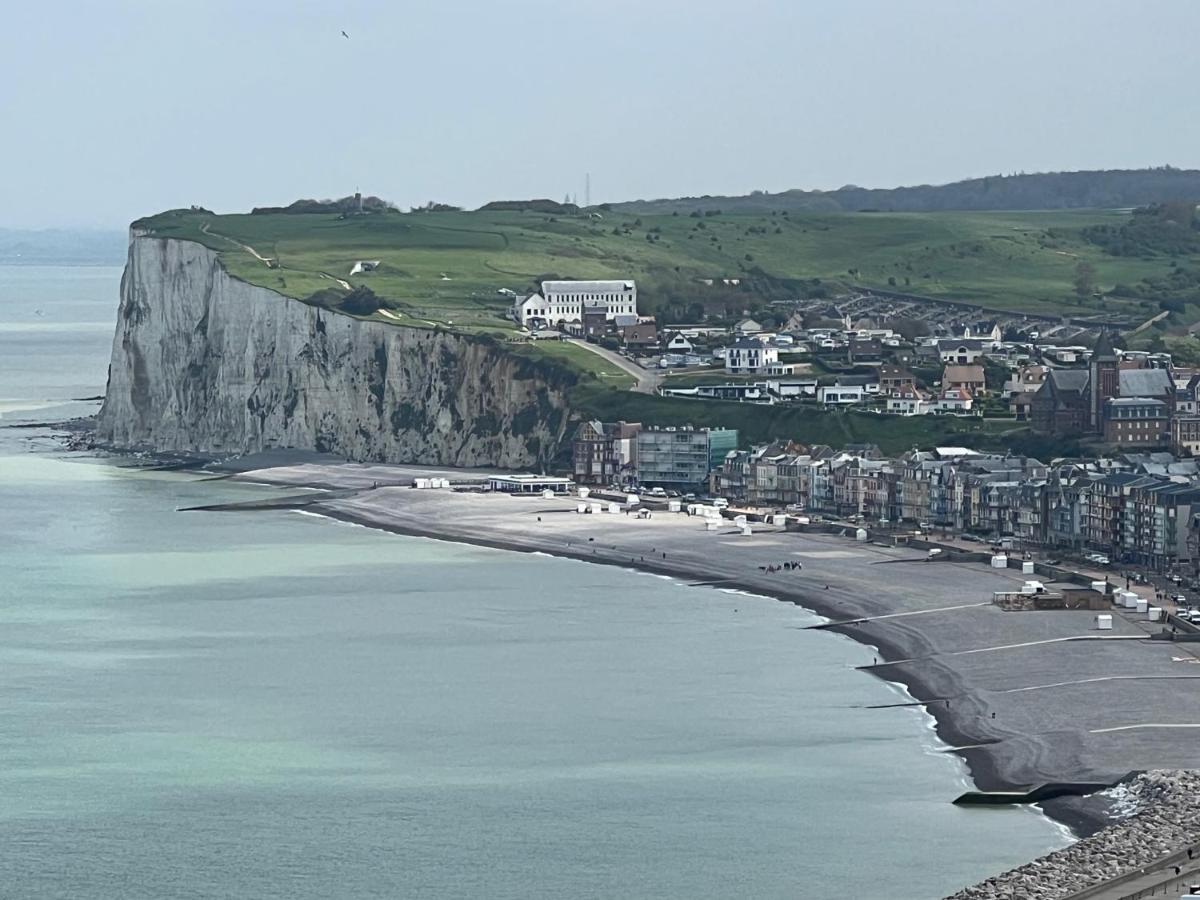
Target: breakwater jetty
x=1158 y=833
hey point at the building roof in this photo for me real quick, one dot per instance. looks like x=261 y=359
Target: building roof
x=746 y=343
x=966 y=343
x=972 y=373
x=1145 y=383
x=588 y=287
x=1104 y=347
x=1134 y=401
x=1069 y=380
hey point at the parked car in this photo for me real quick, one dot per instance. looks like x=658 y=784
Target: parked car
x=1098 y=558
x=720 y=502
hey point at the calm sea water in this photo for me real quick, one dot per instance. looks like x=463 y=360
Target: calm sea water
x=273 y=705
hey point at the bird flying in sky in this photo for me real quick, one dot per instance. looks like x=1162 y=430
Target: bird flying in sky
x=346 y=36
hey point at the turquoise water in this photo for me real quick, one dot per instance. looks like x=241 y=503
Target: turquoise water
x=275 y=705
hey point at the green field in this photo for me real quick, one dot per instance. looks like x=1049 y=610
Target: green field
x=447 y=268
x=807 y=423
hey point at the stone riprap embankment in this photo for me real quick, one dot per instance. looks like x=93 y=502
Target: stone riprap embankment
x=1163 y=817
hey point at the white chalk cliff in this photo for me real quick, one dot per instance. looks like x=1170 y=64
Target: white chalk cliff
x=203 y=362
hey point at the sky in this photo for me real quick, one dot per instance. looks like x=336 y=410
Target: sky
x=119 y=109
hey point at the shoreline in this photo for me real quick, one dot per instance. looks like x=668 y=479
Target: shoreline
x=981 y=768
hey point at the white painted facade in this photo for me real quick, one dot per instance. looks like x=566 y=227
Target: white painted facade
x=750 y=356
x=565 y=301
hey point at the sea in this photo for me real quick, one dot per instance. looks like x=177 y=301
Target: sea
x=276 y=705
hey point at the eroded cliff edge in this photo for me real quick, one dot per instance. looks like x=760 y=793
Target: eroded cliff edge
x=205 y=363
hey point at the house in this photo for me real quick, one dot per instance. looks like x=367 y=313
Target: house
x=909 y=401
x=677 y=343
x=565 y=301
x=747 y=326
x=1021 y=406
x=954 y=400
x=969 y=378
x=750 y=356
x=740 y=392
x=605 y=452
x=839 y=395
x=961 y=352
x=895 y=379
x=595 y=322
x=869 y=383
x=864 y=351
x=1185 y=435
x=1021 y=387
x=640 y=334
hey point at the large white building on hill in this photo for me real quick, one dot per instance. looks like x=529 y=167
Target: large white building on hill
x=565 y=301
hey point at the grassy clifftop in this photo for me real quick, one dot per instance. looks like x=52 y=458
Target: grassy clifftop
x=447 y=268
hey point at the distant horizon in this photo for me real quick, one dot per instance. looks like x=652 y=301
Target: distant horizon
x=101 y=228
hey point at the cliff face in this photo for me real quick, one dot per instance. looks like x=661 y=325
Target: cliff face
x=203 y=362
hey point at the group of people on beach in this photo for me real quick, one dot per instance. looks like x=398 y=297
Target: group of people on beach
x=789 y=566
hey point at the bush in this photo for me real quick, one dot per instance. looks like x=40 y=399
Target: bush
x=361 y=301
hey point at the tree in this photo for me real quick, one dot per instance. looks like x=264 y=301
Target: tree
x=1085 y=279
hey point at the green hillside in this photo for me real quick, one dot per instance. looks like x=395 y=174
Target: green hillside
x=447 y=268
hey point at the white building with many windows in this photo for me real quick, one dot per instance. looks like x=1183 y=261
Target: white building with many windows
x=750 y=356
x=565 y=301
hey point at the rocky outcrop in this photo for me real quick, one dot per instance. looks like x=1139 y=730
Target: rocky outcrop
x=205 y=363
x=1161 y=820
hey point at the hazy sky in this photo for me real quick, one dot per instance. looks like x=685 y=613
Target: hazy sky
x=120 y=108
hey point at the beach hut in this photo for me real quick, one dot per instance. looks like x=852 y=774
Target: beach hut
x=739 y=521
x=1104 y=622
x=614 y=508
x=596 y=506
x=1000 y=561
x=633 y=499
x=861 y=535
x=1142 y=605
x=581 y=507
x=584 y=493
x=421 y=483
x=547 y=494
x=711 y=524
x=1027 y=567
x=1130 y=600
x=674 y=506
x=1154 y=613
x=745 y=529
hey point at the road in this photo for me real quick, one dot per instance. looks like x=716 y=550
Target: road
x=648 y=380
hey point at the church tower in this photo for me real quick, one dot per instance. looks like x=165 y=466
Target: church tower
x=1104 y=381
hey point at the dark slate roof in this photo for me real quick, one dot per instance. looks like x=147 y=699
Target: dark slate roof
x=1104 y=347
x=1145 y=383
x=1069 y=380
